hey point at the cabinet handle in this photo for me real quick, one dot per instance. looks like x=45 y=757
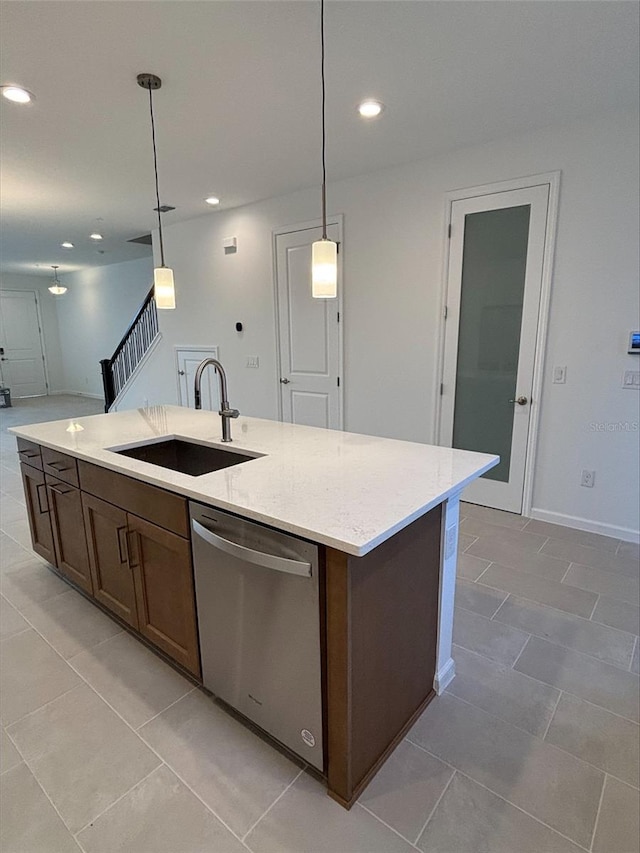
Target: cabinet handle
x=119 y=531
x=58 y=466
x=133 y=551
x=38 y=487
x=60 y=491
x=28 y=455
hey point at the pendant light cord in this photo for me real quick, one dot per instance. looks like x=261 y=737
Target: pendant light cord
x=155 y=169
x=324 y=141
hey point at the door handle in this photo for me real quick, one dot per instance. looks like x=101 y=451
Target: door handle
x=38 y=487
x=133 y=552
x=521 y=401
x=119 y=532
x=181 y=372
x=285 y=381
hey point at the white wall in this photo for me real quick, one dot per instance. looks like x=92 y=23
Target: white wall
x=50 y=333
x=393 y=256
x=94 y=314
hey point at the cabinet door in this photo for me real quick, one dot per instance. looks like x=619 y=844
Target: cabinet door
x=35 y=493
x=69 y=538
x=106 y=529
x=165 y=594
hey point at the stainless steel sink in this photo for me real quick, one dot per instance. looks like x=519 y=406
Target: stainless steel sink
x=185 y=456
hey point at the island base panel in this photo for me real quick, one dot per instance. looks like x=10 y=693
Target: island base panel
x=381 y=636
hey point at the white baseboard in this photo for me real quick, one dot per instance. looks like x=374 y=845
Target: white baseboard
x=76 y=394
x=625 y=533
x=444 y=676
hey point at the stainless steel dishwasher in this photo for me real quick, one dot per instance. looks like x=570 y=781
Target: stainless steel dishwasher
x=259 y=621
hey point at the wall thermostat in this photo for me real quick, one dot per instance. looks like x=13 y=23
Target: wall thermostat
x=230 y=244
x=634 y=342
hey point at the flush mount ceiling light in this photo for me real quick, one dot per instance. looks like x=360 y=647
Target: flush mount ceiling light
x=163 y=286
x=370 y=108
x=56 y=288
x=16 y=94
x=212 y=200
x=67 y=245
x=324 y=252
x=96 y=236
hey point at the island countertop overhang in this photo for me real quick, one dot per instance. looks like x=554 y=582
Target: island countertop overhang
x=345 y=490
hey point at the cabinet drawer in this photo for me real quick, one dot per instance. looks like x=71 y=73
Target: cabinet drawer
x=30 y=453
x=158 y=506
x=60 y=465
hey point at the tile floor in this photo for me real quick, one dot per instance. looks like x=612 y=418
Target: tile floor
x=533 y=749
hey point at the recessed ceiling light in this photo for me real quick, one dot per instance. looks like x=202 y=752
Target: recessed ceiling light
x=212 y=200
x=370 y=108
x=17 y=94
x=96 y=236
x=67 y=245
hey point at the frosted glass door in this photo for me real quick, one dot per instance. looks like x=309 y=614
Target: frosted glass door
x=497 y=248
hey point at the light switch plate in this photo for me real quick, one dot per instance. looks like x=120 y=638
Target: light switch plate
x=631 y=379
x=253 y=361
x=559 y=375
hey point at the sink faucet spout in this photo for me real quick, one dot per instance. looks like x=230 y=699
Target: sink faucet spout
x=226 y=412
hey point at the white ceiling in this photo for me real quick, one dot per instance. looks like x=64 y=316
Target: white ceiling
x=238 y=113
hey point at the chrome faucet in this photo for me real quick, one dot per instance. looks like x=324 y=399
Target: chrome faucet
x=226 y=413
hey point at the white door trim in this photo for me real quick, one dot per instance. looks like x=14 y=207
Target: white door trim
x=337 y=220
x=552 y=179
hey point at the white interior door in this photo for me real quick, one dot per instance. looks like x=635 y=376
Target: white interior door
x=309 y=335
x=22 y=357
x=187 y=361
x=496 y=258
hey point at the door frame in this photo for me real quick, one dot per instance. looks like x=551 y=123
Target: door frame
x=43 y=348
x=552 y=179
x=308 y=225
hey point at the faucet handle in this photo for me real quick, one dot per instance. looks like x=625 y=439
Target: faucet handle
x=229 y=413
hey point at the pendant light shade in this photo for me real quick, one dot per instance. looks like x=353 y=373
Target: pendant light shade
x=324 y=253
x=56 y=288
x=163 y=286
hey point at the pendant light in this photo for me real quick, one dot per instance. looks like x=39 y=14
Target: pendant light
x=164 y=290
x=324 y=252
x=56 y=288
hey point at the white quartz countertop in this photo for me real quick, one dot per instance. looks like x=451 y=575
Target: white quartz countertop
x=341 y=489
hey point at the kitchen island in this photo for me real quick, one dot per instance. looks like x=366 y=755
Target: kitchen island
x=384 y=514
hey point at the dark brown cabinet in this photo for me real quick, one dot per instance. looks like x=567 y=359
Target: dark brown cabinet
x=35 y=492
x=106 y=529
x=161 y=563
x=67 y=525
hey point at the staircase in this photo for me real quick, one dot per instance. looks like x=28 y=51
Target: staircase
x=118 y=370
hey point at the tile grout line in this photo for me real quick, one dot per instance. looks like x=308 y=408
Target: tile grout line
x=501 y=797
x=595 y=823
x=526 y=643
x=539 y=551
x=594 y=606
x=155 y=716
x=566 y=573
x=633 y=654
x=552 y=715
x=26 y=716
x=433 y=810
x=384 y=823
x=498 y=608
x=268 y=809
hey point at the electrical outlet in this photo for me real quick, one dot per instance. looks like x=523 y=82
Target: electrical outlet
x=588 y=479
x=631 y=379
x=559 y=375
x=252 y=361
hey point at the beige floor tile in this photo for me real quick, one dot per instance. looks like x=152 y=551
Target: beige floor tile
x=160 y=815
x=491 y=639
x=70 y=623
x=12 y=510
x=565 y=629
x=12 y=553
x=29 y=821
x=11 y=622
x=629 y=549
x=549 y=784
x=597 y=736
x=234 y=771
x=519 y=539
x=544 y=591
x=470 y=568
x=493 y=516
x=406 y=789
x=306 y=819
x=464 y=542
x=9 y=755
x=604 y=583
x=30 y=583
x=592 y=557
x=515 y=558
x=31 y=674
x=617 y=614
x=618 y=829
x=570 y=534
x=503 y=692
x=635 y=662
x=471 y=819
x=19 y=531
x=82 y=754
x=478 y=599
x=132 y=679
x=584 y=676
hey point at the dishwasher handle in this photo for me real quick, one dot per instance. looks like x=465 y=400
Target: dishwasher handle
x=249 y=555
